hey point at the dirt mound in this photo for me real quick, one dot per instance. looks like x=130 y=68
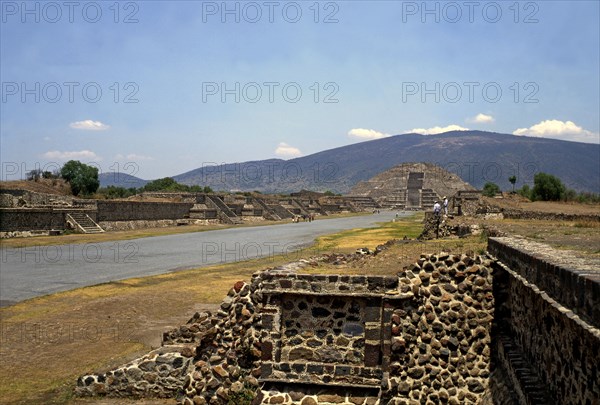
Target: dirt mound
x=46 y=186
x=139 y=197
x=517 y=202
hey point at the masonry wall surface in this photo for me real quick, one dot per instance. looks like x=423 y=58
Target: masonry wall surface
x=141 y=210
x=450 y=329
x=547 y=337
x=31 y=219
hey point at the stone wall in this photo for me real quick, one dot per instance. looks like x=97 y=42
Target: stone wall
x=20 y=198
x=325 y=329
x=159 y=374
x=548 y=216
x=309 y=339
x=574 y=282
x=450 y=329
x=14 y=219
x=141 y=210
x=106 y=212
x=110 y=226
x=36 y=219
x=547 y=339
x=441 y=339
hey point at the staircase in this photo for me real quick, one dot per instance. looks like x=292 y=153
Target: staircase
x=316 y=206
x=82 y=222
x=303 y=209
x=395 y=201
x=281 y=211
x=268 y=213
x=363 y=202
x=413 y=190
x=428 y=198
x=226 y=214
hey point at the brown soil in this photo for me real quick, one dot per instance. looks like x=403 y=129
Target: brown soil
x=515 y=201
x=46 y=186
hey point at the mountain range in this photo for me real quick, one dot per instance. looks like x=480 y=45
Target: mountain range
x=475 y=156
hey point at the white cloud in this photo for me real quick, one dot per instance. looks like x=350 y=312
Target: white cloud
x=133 y=157
x=437 y=130
x=363 y=133
x=482 y=119
x=285 y=150
x=568 y=131
x=89 y=125
x=71 y=155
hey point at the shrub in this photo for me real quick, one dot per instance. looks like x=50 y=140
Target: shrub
x=490 y=189
x=547 y=187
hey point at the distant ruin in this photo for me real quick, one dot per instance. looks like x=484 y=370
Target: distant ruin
x=410 y=186
x=37 y=213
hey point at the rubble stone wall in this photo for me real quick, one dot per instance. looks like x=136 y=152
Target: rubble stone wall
x=17 y=198
x=547 y=339
x=548 y=216
x=450 y=329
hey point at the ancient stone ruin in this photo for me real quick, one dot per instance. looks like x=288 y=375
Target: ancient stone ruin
x=518 y=325
x=410 y=186
x=24 y=213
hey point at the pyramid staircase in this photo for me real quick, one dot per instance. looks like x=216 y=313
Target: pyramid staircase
x=428 y=198
x=82 y=222
x=413 y=190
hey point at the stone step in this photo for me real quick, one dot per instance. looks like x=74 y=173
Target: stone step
x=83 y=222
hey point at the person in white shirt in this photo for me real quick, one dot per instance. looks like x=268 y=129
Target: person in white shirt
x=437 y=208
x=445 y=205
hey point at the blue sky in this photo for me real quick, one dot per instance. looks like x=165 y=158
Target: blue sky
x=170 y=86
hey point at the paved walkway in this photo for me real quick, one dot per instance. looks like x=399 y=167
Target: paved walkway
x=34 y=271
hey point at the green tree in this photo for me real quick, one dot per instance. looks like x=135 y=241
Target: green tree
x=82 y=178
x=168 y=184
x=547 y=187
x=164 y=184
x=490 y=189
x=513 y=180
x=116 y=192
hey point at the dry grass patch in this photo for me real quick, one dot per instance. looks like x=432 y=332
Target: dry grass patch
x=353 y=239
x=400 y=255
x=47 y=342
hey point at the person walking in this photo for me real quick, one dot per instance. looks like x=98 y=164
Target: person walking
x=445 y=206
